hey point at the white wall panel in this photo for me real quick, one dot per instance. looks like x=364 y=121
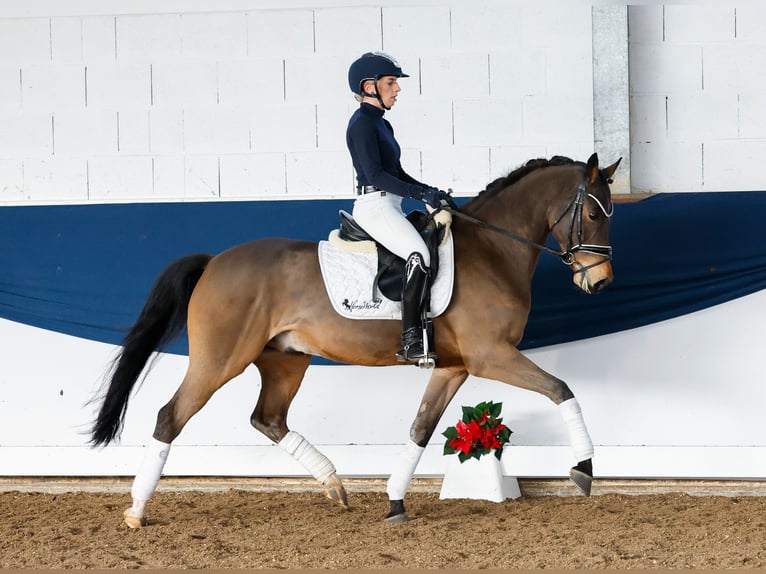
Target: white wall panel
x=25 y=134
x=85 y=132
x=99 y=38
x=51 y=87
x=316 y=79
x=214 y=35
x=252 y=83
x=665 y=69
x=201 y=177
x=11 y=180
x=557 y=119
x=184 y=83
x=752 y=115
x=737 y=67
x=56 y=178
x=667 y=166
x=734 y=165
x=504 y=159
x=422 y=122
x=323 y=173
x=493 y=26
x=332 y=121
x=133 y=131
x=25 y=41
x=216 y=130
x=719 y=110
x=551 y=26
x=168 y=176
x=489 y=122
x=519 y=73
x=648 y=117
x=439 y=73
x=166 y=131
x=10 y=87
x=347 y=32
x=66 y=39
x=283 y=127
x=751 y=22
x=646 y=24
x=114 y=85
x=115 y=178
x=463 y=168
x=245 y=175
x=699 y=24
x=148 y=37
x=416 y=30
x=286 y=33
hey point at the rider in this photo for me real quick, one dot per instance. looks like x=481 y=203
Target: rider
x=382 y=184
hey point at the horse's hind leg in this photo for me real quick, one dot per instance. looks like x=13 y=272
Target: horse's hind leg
x=195 y=390
x=281 y=376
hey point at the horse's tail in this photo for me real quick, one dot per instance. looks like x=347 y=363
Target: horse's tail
x=161 y=320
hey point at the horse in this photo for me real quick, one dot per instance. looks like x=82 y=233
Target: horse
x=263 y=303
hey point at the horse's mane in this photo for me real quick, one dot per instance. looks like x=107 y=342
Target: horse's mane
x=517 y=174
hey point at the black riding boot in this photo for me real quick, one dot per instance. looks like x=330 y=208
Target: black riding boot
x=413 y=295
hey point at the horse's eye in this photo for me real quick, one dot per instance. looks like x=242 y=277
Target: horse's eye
x=593 y=215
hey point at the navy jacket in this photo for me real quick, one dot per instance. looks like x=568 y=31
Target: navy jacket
x=376 y=154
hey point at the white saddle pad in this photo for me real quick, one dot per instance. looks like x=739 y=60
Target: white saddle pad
x=349 y=270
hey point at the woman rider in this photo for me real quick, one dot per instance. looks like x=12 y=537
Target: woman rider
x=382 y=184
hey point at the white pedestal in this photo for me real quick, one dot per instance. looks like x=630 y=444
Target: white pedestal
x=478 y=479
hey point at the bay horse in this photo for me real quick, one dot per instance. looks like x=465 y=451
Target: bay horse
x=264 y=303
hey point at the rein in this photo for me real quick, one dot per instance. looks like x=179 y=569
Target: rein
x=568 y=256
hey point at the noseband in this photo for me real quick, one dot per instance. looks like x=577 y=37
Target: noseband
x=575 y=228
x=575 y=223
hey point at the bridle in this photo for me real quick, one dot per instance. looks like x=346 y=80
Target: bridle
x=575 y=229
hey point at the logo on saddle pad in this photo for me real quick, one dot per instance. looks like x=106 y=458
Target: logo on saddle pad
x=356 y=305
x=349 y=269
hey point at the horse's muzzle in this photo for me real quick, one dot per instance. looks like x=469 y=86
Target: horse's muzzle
x=592 y=276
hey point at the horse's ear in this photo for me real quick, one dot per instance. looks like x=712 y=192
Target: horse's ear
x=608 y=172
x=592 y=168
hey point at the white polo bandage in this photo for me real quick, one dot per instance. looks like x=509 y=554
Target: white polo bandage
x=317 y=464
x=582 y=447
x=400 y=478
x=150 y=471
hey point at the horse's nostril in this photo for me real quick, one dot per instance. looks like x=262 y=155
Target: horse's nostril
x=600 y=285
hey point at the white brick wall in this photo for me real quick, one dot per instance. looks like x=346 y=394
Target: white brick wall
x=698 y=91
x=248 y=103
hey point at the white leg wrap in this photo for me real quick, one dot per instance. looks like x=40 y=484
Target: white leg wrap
x=318 y=465
x=400 y=478
x=582 y=447
x=149 y=474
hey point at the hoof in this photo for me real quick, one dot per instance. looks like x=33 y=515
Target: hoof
x=133 y=520
x=582 y=476
x=396 y=513
x=397 y=518
x=333 y=489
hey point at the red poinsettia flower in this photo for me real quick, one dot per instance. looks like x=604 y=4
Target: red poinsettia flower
x=480 y=432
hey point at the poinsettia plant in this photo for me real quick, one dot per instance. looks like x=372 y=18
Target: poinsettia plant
x=481 y=431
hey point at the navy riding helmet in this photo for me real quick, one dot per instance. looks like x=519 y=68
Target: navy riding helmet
x=372 y=66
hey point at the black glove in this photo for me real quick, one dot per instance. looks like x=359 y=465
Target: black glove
x=433 y=196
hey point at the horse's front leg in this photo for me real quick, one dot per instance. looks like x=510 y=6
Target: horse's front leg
x=442 y=386
x=510 y=366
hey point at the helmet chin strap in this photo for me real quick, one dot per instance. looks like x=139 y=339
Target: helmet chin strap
x=376 y=95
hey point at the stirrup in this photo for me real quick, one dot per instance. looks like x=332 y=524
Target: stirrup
x=414 y=349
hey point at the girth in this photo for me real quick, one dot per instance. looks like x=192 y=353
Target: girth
x=388 y=279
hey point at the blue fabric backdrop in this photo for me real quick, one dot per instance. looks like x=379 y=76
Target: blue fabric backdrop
x=86 y=270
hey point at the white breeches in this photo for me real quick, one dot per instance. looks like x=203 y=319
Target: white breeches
x=382 y=217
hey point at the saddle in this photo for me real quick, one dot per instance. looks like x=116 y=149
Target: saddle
x=388 y=279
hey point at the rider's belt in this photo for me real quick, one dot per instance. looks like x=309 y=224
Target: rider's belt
x=363 y=189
